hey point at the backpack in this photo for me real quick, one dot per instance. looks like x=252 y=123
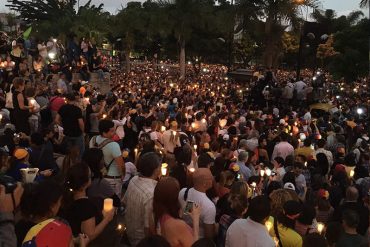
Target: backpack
x=9 y=98
x=101 y=146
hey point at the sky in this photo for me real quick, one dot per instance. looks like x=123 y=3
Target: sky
x=342 y=7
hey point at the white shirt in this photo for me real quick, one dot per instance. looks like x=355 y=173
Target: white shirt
x=299 y=86
x=131 y=171
x=307 y=116
x=169 y=145
x=248 y=233
x=42 y=50
x=207 y=207
x=282 y=149
x=280 y=172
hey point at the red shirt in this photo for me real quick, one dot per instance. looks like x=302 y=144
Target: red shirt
x=56 y=103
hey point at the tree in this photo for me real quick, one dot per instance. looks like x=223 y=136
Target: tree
x=352 y=45
x=279 y=14
x=182 y=17
x=57 y=17
x=364 y=3
x=326 y=50
x=91 y=21
x=129 y=24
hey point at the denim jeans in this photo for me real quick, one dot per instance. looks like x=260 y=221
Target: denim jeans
x=76 y=141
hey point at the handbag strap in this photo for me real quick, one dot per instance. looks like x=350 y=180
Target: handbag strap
x=277 y=232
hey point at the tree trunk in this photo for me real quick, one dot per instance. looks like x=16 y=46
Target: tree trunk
x=127 y=57
x=182 y=59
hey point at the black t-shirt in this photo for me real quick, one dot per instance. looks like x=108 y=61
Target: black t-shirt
x=79 y=211
x=21 y=230
x=70 y=115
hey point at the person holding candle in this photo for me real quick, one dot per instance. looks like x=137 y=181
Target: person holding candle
x=34 y=118
x=171 y=139
x=251 y=231
x=22 y=108
x=82 y=214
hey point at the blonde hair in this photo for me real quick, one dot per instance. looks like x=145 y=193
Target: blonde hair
x=279 y=198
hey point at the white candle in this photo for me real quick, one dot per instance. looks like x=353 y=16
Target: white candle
x=108 y=204
x=268 y=172
x=351 y=173
x=320 y=227
x=268 y=225
x=136 y=151
x=262 y=172
x=164 y=169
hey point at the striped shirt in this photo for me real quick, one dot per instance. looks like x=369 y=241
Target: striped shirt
x=139 y=207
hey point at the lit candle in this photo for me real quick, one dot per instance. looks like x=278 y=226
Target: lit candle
x=320 y=227
x=268 y=225
x=32 y=102
x=108 y=204
x=1 y=117
x=164 y=169
x=262 y=172
x=136 y=150
x=120 y=227
x=195 y=147
x=268 y=172
x=254 y=184
x=192 y=169
x=203 y=120
x=351 y=173
x=104 y=116
x=163 y=128
x=193 y=125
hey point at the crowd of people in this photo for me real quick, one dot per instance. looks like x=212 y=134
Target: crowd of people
x=206 y=161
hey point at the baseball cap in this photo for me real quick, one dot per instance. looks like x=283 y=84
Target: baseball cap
x=289 y=186
x=323 y=194
x=20 y=153
x=51 y=232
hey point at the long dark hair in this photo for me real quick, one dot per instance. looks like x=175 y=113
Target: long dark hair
x=39 y=198
x=77 y=177
x=93 y=157
x=165 y=200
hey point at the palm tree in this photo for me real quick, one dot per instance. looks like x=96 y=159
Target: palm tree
x=334 y=23
x=279 y=14
x=364 y=3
